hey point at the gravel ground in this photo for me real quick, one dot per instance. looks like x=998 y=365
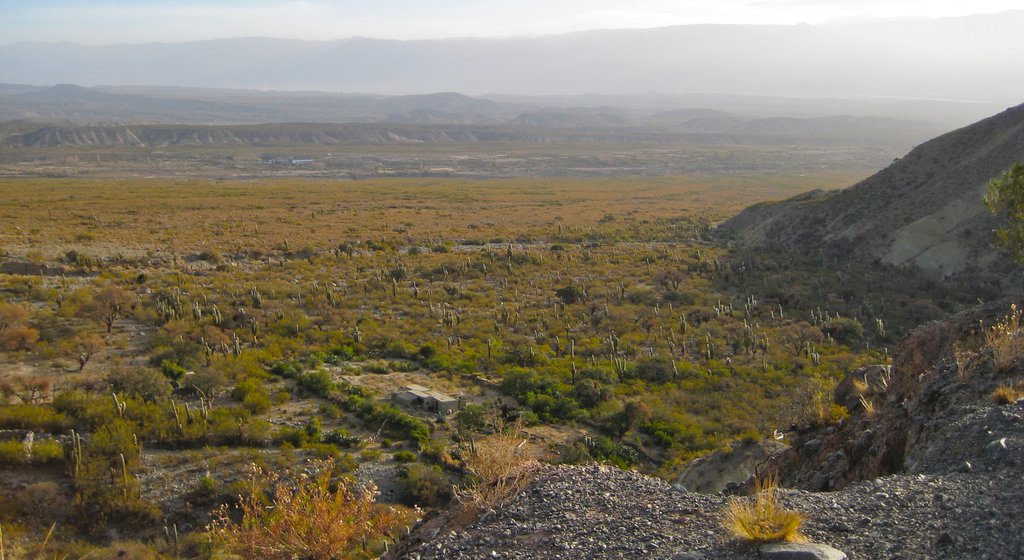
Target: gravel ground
x=600 y=512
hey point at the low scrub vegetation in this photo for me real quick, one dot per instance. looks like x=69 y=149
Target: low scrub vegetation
x=208 y=325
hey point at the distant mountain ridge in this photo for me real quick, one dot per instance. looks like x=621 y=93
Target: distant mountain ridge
x=973 y=58
x=72 y=115
x=926 y=209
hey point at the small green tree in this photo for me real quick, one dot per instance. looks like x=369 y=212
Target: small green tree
x=1006 y=194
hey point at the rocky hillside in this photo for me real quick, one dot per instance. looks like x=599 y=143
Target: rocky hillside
x=932 y=470
x=925 y=209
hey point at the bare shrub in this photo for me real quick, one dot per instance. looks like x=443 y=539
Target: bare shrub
x=498 y=466
x=314 y=519
x=1005 y=339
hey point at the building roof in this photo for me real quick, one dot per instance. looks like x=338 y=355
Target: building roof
x=427 y=393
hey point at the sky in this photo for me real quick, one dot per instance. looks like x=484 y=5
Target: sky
x=146 y=21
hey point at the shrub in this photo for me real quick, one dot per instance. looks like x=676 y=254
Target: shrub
x=172 y=371
x=143 y=383
x=312 y=520
x=763 y=519
x=472 y=417
x=256 y=402
x=341 y=438
x=404 y=457
x=32 y=417
x=1006 y=339
x=498 y=468
x=423 y=485
x=19 y=338
x=570 y=294
x=318 y=382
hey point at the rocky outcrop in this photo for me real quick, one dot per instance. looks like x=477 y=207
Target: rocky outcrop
x=717 y=471
x=929 y=413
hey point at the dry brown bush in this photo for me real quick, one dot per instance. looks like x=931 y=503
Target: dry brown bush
x=498 y=465
x=1006 y=339
x=313 y=519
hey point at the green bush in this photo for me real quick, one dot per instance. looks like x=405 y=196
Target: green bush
x=35 y=417
x=404 y=457
x=423 y=485
x=318 y=382
x=172 y=371
x=42 y=451
x=256 y=402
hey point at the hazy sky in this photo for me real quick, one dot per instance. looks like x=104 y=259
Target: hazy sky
x=141 y=21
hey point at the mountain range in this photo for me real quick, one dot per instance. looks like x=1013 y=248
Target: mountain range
x=73 y=115
x=973 y=58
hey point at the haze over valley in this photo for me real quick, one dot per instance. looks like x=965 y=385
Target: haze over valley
x=461 y=279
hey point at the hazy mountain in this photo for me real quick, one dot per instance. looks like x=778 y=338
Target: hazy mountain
x=971 y=58
x=599 y=117
x=925 y=209
x=103 y=110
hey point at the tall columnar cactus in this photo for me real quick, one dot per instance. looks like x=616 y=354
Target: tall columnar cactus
x=76 y=453
x=256 y=298
x=119 y=405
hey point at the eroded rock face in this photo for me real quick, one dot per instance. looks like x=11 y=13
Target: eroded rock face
x=930 y=415
x=713 y=473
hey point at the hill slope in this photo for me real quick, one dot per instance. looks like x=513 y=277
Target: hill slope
x=926 y=209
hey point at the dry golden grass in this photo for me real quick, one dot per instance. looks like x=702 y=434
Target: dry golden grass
x=102 y=217
x=1005 y=394
x=763 y=519
x=314 y=520
x=1006 y=339
x=861 y=386
x=868 y=404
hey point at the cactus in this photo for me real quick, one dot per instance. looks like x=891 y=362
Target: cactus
x=76 y=453
x=255 y=297
x=119 y=405
x=124 y=477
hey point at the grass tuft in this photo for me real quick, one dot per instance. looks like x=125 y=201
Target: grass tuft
x=1004 y=395
x=762 y=519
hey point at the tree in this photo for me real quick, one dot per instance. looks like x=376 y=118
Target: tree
x=1006 y=194
x=110 y=303
x=83 y=347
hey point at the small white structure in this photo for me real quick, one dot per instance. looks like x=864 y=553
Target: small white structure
x=425 y=397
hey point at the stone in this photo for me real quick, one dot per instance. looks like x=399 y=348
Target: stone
x=800 y=551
